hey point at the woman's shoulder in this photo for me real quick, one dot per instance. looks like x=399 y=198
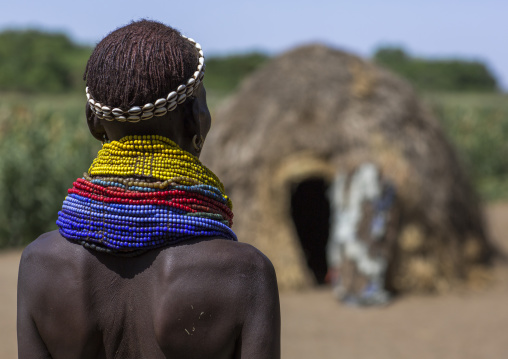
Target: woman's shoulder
x=220 y=261
x=50 y=246
x=240 y=256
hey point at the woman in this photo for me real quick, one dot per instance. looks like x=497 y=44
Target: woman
x=145 y=264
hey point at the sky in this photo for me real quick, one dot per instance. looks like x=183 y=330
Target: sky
x=473 y=30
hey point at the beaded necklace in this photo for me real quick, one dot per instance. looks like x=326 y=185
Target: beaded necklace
x=144 y=192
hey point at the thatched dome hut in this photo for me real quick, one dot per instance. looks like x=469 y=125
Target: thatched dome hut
x=315 y=113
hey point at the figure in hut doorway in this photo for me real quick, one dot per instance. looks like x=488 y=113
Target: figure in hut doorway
x=145 y=264
x=359 y=246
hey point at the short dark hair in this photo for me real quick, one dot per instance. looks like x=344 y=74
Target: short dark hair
x=139 y=63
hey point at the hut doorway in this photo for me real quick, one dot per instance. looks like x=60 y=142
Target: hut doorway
x=310 y=211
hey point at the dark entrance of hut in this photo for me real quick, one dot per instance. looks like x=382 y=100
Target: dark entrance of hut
x=310 y=210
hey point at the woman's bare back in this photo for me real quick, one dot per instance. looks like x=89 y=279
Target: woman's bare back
x=208 y=298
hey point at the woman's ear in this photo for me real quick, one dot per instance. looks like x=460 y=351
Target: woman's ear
x=94 y=124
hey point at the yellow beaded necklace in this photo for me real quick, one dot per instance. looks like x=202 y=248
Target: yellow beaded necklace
x=154 y=157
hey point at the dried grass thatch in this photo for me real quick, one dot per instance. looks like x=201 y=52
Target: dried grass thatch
x=315 y=111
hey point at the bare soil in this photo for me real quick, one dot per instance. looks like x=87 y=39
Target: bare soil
x=463 y=324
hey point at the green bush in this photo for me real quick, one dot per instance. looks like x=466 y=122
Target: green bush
x=44 y=147
x=477 y=124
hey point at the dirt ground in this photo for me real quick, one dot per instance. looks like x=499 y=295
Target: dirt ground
x=463 y=325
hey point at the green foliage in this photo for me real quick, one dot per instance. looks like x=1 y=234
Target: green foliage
x=223 y=74
x=33 y=61
x=477 y=124
x=44 y=147
x=437 y=75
